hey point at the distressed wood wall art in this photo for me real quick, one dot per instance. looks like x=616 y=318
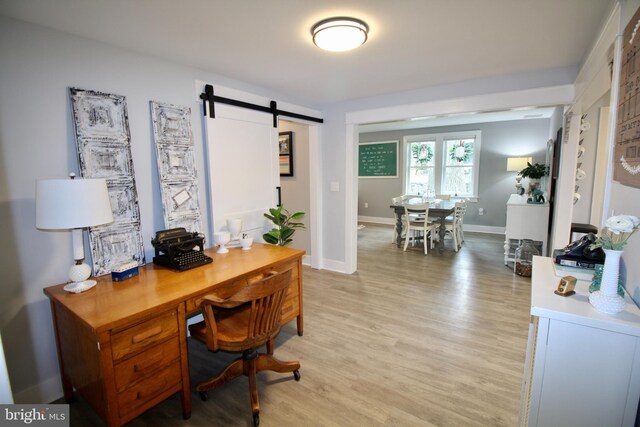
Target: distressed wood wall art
x=176 y=166
x=626 y=161
x=104 y=151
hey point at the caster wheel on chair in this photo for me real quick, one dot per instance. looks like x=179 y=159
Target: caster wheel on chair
x=296 y=375
x=203 y=396
x=256 y=420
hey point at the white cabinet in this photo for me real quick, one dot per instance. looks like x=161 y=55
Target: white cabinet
x=582 y=367
x=525 y=221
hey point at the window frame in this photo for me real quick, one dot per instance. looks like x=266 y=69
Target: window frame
x=439 y=158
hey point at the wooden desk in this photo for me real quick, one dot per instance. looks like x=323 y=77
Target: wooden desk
x=437 y=208
x=122 y=345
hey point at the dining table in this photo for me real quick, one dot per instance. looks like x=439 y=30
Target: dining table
x=438 y=208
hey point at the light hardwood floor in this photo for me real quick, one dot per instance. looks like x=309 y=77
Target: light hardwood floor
x=409 y=340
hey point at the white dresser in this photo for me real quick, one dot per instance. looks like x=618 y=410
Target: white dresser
x=525 y=221
x=582 y=367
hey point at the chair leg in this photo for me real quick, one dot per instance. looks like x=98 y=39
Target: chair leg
x=231 y=372
x=253 y=388
x=406 y=240
x=266 y=362
x=454 y=236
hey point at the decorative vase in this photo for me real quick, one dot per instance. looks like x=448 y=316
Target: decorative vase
x=607 y=300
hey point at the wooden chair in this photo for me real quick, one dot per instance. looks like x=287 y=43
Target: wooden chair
x=243 y=322
x=416 y=224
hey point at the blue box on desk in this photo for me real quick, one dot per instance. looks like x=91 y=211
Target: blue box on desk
x=124 y=271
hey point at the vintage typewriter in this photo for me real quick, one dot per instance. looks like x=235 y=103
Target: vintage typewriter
x=179 y=249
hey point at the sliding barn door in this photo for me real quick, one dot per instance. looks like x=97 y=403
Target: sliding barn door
x=243 y=167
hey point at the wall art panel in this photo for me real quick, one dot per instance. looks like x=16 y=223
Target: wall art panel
x=176 y=166
x=104 y=151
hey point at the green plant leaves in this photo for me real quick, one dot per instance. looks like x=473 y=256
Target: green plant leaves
x=285 y=225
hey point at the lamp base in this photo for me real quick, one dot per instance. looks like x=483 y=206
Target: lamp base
x=77 y=287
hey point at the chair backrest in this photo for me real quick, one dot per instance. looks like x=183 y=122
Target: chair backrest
x=415 y=211
x=265 y=298
x=459 y=211
x=409 y=197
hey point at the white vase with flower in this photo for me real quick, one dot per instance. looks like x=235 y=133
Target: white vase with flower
x=613 y=238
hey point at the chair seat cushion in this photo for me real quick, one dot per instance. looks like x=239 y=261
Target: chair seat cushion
x=233 y=326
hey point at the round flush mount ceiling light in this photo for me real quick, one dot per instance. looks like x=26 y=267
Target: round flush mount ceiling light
x=339 y=34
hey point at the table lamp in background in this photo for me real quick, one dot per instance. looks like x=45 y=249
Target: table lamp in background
x=73 y=204
x=516 y=164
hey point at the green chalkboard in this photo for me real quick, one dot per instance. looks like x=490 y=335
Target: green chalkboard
x=378 y=159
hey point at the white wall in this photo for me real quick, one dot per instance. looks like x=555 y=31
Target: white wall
x=37 y=66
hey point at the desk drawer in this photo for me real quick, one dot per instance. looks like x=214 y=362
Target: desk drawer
x=146 y=363
x=140 y=336
x=144 y=391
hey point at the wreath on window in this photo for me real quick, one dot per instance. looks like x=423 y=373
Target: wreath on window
x=461 y=153
x=421 y=153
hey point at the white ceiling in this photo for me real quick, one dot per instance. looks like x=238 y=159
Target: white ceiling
x=412 y=43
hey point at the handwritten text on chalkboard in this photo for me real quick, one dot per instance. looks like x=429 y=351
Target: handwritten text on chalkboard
x=378 y=159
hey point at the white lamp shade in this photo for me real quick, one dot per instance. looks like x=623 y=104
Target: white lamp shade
x=516 y=164
x=72 y=203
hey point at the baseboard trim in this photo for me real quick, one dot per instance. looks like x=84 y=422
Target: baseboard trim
x=45 y=392
x=376 y=220
x=483 y=229
x=333 y=265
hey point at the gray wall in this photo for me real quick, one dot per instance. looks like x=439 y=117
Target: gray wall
x=499 y=140
x=295 y=189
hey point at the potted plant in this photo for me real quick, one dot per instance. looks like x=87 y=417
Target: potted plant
x=534 y=172
x=285 y=223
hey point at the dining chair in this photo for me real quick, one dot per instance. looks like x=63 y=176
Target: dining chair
x=242 y=322
x=416 y=225
x=465 y=206
x=454 y=225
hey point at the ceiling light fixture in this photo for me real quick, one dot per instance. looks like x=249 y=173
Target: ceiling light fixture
x=339 y=34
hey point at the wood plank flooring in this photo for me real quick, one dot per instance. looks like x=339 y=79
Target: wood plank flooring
x=409 y=340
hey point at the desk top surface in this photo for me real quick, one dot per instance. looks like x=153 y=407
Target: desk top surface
x=576 y=308
x=156 y=287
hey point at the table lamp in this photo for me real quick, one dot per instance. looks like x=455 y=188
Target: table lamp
x=516 y=164
x=73 y=204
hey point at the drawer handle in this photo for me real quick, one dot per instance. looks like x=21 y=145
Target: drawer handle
x=156 y=358
x=146 y=334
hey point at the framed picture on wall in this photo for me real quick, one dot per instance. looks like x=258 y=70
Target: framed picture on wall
x=285 y=148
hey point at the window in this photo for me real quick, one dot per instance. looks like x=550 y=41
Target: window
x=444 y=163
